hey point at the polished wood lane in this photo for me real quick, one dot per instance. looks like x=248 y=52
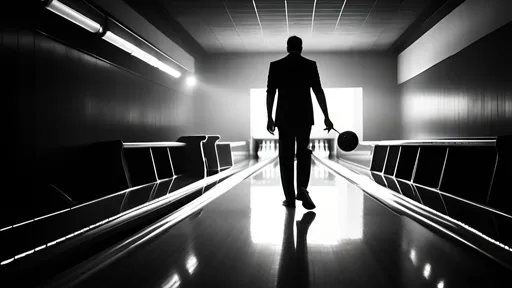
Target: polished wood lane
x=245 y=238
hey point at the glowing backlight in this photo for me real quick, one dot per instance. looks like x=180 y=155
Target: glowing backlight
x=340 y=217
x=345 y=107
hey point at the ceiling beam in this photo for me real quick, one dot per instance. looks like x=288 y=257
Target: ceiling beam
x=339 y=16
x=259 y=22
x=313 y=17
x=434 y=13
x=234 y=25
x=286 y=11
x=163 y=20
x=367 y=16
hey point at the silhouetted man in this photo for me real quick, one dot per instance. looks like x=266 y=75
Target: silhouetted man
x=293 y=76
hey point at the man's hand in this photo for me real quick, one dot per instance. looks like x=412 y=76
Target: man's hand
x=328 y=125
x=271 y=126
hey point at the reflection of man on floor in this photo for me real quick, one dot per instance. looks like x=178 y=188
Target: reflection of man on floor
x=293 y=268
x=294 y=76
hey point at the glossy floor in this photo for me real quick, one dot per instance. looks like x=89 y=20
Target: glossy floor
x=245 y=238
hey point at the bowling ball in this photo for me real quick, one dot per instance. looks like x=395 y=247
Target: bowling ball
x=348 y=141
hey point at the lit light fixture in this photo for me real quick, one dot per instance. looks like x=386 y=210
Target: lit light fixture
x=139 y=53
x=119 y=42
x=169 y=70
x=191 y=80
x=146 y=57
x=74 y=16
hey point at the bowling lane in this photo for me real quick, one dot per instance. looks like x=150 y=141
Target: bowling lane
x=245 y=238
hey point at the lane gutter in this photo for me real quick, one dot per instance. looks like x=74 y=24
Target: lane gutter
x=406 y=207
x=76 y=274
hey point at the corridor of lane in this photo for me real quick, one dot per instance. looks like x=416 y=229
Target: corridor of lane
x=245 y=238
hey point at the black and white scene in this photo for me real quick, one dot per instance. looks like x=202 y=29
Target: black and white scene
x=256 y=143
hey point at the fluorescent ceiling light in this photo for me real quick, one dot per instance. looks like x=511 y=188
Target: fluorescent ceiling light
x=79 y=19
x=139 y=53
x=119 y=42
x=73 y=16
x=146 y=57
x=169 y=70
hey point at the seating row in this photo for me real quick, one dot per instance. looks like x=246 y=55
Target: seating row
x=465 y=180
x=146 y=171
x=121 y=165
x=76 y=175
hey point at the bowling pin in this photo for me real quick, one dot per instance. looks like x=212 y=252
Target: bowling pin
x=260 y=150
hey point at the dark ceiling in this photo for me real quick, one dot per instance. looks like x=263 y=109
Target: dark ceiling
x=324 y=25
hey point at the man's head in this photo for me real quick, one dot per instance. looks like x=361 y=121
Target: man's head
x=294 y=44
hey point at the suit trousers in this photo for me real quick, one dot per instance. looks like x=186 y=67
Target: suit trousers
x=287 y=138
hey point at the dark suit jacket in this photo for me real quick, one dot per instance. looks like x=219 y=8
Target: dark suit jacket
x=293 y=76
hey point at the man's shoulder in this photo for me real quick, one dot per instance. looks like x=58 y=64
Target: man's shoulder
x=278 y=60
x=284 y=60
x=309 y=60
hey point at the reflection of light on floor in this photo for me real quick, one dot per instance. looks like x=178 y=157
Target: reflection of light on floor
x=271 y=175
x=320 y=172
x=191 y=263
x=173 y=282
x=426 y=270
x=267 y=214
x=412 y=255
x=339 y=212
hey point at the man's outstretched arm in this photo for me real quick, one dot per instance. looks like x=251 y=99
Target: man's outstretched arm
x=320 y=96
x=271 y=94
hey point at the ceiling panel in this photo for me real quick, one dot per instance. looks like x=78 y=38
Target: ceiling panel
x=324 y=25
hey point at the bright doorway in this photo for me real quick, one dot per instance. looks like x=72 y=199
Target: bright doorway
x=345 y=107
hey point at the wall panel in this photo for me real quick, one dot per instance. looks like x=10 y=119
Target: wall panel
x=67 y=87
x=467 y=95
